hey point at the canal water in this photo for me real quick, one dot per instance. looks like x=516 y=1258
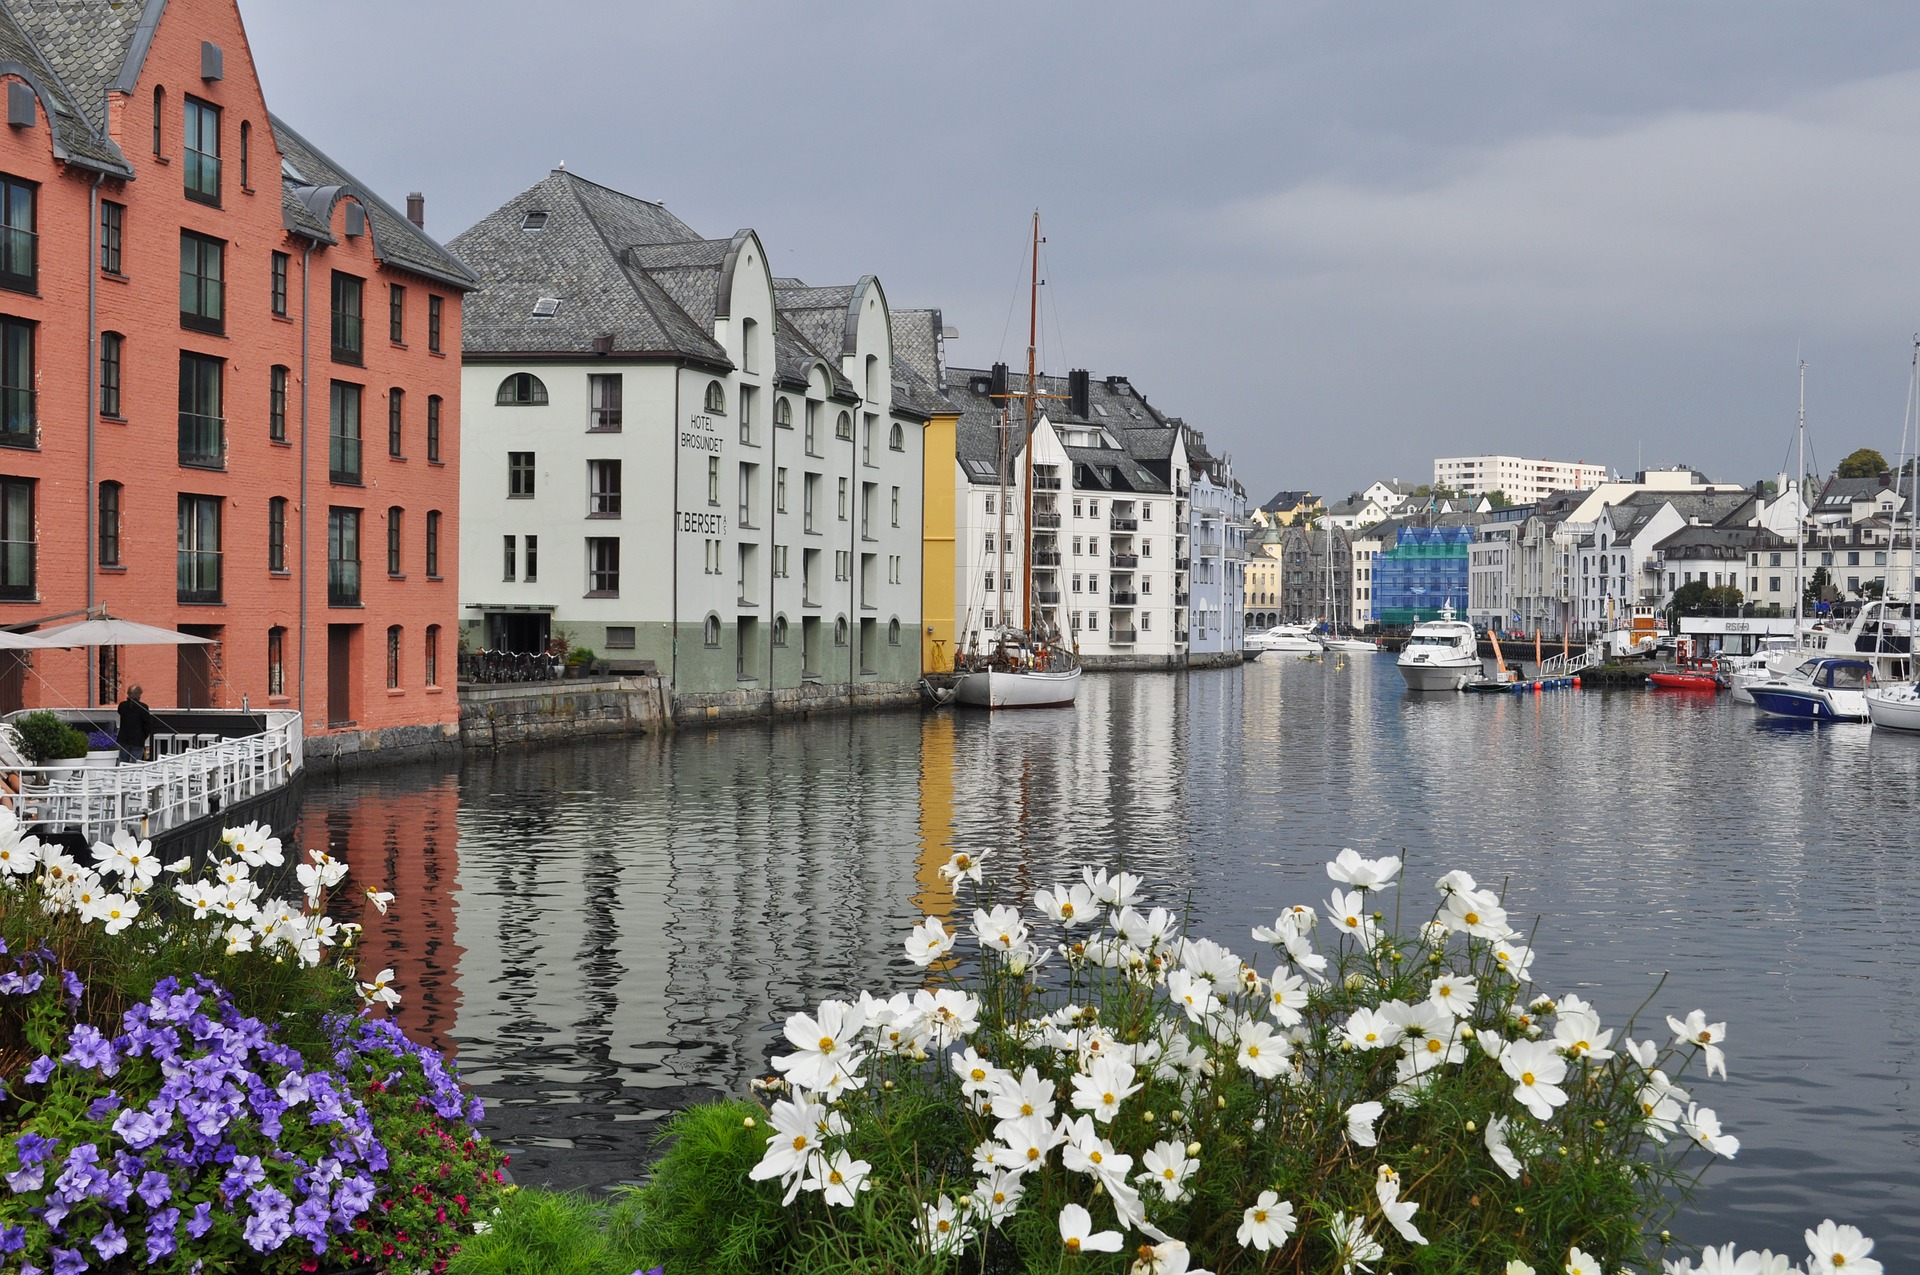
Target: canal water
x=605 y=931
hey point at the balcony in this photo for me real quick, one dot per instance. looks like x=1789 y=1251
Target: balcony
x=1048 y=597
x=1124 y=524
x=343 y=583
x=1122 y=637
x=1123 y=598
x=1125 y=561
x=203 y=441
x=1046 y=557
x=1209 y=551
x=1180 y=564
x=198 y=575
x=1181 y=599
x=1048 y=520
x=1045 y=482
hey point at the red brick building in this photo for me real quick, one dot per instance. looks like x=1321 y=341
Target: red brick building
x=229 y=387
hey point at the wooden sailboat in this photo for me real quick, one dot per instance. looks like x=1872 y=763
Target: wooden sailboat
x=1896 y=706
x=1029 y=665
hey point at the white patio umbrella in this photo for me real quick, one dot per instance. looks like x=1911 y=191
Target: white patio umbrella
x=11 y=641
x=107 y=631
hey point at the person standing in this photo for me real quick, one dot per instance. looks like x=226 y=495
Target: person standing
x=137 y=726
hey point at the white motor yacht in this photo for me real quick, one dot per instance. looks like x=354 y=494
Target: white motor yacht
x=1284 y=637
x=1351 y=645
x=1828 y=689
x=1895 y=707
x=1441 y=655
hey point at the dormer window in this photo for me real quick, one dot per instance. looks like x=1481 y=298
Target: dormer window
x=522 y=389
x=534 y=221
x=546 y=307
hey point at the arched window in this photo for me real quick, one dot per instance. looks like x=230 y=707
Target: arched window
x=716 y=397
x=159 y=116
x=779 y=630
x=783 y=413
x=712 y=634
x=840 y=631
x=893 y=631
x=522 y=389
x=896 y=438
x=843 y=427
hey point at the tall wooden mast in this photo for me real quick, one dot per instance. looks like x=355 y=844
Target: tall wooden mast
x=1033 y=390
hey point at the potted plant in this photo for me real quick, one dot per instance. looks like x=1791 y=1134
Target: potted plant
x=577 y=661
x=102 y=749
x=47 y=740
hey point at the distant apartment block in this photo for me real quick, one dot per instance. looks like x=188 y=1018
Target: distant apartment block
x=1522 y=480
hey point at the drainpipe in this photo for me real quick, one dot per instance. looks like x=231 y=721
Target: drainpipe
x=673 y=539
x=773 y=521
x=93 y=388
x=306 y=360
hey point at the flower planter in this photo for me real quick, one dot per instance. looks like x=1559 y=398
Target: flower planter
x=103 y=758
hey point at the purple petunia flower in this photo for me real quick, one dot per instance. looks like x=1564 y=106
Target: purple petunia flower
x=102 y=1107
x=155 y=1188
x=68 y=1261
x=310 y=1221
x=246 y=1172
x=24 y=1180
x=141 y=1129
x=39 y=1070
x=201 y=1221
x=15 y=983
x=12 y=1238
x=111 y=1242
x=87 y=1049
x=161 y=1240
x=75 y=988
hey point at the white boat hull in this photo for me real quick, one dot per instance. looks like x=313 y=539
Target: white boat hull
x=1429 y=676
x=1005 y=688
x=1894 y=707
x=1353 y=646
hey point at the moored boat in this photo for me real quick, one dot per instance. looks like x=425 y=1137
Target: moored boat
x=1828 y=689
x=1895 y=707
x=1685 y=679
x=1291 y=638
x=1441 y=655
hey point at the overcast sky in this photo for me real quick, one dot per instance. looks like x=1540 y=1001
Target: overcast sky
x=1340 y=238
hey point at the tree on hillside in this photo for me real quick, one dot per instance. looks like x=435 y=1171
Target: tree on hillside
x=1499 y=499
x=1864 y=463
x=1700 y=598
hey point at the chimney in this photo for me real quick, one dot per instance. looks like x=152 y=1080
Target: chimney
x=999 y=386
x=1080 y=393
x=417 y=209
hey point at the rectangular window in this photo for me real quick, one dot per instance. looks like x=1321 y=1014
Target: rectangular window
x=896 y=506
x=203 y=425
x=810 y=483
x=109 y=524
x=396 y=517
x=746 y=494
x=433 y=324
x=277 y=534
x=749 y=400
x=343 y=433
x=348 y=336
x=604 y=392
x=433 y=544
x=433 y=428
x=619 y=637
x=113 y=229
x=276 y=661
x=17 y=548
x=813 y=429
x=603 y=567
x=509 y=547
x=843 y=500
x=780 y=490
x=433 y=655
x=780 y=562
x=713 y=480
x=280 y=263
x=203 y=283
x=843 y=564
x=277 y=404
x=603 y=489
x=199 y=549
x=396 y=403
x=393 y=657
x=202 y=148
x=19 y=236
x=343 y=556
x=396 y=314
x=111 y=345
x=519 y=474
x=532 y=563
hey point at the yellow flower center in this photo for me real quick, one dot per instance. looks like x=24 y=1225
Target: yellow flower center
x=1371 y=1036
x=1434 y=1046
x=835 y=1178
x=1026 y=1108
x=1066 y=909
x=1073 y=1244
x=1260 y=1215
x=1033 y=1153
x=1107 y=1099
x=963 y=861
x=1353 y=922
x=1839 y=1259
x=800 y=1142
x=1473 y=918
x=999 y=1197
x=1526 y=1077
x=1095 y=1157
x=826 y=1044
x=1167 y=1174
x=978 y=1074
x=1707 y=1038
x=943 y=1225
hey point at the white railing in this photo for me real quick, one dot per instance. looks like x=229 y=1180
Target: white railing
x=206 y=775
x=1568 y=665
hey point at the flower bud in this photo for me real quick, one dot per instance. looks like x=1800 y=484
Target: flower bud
x=1193 y=1148
x=1147 y=1116
x=1472 y=1128
x=1355 y=982
x=748 y=1123
x=1221 y=1102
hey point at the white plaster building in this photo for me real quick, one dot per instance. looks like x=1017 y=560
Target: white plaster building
x=673 y=457
x=1522 y=479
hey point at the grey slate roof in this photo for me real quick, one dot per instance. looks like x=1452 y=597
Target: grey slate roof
x=86 y=42
x=44 y=38
x=582 y=257
x=398 y=243
x=1842 y=492
x=1113 y=404
x=1285 y=500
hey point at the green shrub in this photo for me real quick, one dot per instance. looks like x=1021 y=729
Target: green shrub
x=44 y=737
x=700 y=1215
x=535 y=1232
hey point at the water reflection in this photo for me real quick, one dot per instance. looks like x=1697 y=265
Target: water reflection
x=619 y=927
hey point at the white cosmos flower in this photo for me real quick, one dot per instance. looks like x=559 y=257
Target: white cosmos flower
x=127 y=857
x=1267 y=1224
x=1703 y=1127
x=838 y=1178
x=1454 y=993
x=1537 y=1070
x=19 y=855
x=1578 y=1034
x=378 y=992
x=1194 y=993
x=1581 y=1263
x=999 y=930
x=1496 y=1140
x=929 y=941
x=1517 y=1267
x=256 y=844
x=1146 y=930
x=1643 y=1052
x=1029 y=1139
x=1089 y=1153
x=1261 y=1052
x=1349 y=912
x=240 y=939
x=1475 y=912
x=1399 y=1213
x=1840 y=1250
x=1660 y=1101
x=1212 y=960
x=1349 y=868
x=1286 y=997
x=1372 y=1029
x=1167 y=1165
x=1696 y=1030
x=1360 y=1118
x=996 y=1196
x=1515 y=960
x=1456 y=882
x=1352 y=1245
x=794 y=1142
x=200 y=896
x=1116 y=891
x=1168 y=1257
x=943 y=1229
x=117 y=911
x=1078 y=1236
x=1430 y=1037
x=1069 y=905
x=1721 y=1261
x=1026 y=1095
x=825 y=1054
x=963 y=867
x=950 y=1015
x=977 y=1075
x=1109 y=1083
